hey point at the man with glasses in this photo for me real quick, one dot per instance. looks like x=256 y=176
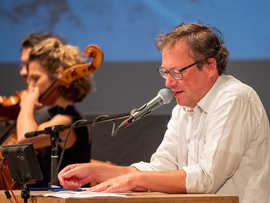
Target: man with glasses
x=218 y=139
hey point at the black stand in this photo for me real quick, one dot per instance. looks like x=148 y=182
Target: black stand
x=23 y=165
x=54 y=132
x=25 y=193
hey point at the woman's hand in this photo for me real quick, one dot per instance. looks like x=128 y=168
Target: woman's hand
x=31 y=99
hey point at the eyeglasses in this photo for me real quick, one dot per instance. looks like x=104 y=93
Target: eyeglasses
x=175 y=73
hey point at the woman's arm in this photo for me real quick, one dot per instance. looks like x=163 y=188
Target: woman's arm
x=26 y=123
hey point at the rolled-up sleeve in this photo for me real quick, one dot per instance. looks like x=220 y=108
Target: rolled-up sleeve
x=166 y=156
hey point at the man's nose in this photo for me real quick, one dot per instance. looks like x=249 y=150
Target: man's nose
x=170 y=81
x=23 y=71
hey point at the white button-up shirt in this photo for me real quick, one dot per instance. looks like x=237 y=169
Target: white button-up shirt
x=223 y=144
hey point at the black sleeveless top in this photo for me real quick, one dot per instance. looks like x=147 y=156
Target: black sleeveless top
x=80 y=152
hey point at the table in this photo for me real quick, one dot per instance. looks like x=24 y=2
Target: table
x=132 y=197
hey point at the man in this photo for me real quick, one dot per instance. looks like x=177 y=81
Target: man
x=218 y=139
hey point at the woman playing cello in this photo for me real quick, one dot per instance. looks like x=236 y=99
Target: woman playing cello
x=47 y=62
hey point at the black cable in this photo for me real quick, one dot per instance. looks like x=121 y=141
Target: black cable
x=2 y=171
x=64 y=147
x=8 y=196
x=7 y=193
x=78 y=122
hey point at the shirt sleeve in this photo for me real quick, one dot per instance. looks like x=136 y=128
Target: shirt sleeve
x=165 y=158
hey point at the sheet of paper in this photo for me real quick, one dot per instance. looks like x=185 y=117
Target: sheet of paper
x=83 y=194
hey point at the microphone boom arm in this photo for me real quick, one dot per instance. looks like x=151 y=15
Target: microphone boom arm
x=60 y=128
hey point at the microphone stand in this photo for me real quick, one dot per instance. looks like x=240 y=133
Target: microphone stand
x=53 y=131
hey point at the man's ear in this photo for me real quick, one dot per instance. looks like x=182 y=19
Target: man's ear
x=212 y=67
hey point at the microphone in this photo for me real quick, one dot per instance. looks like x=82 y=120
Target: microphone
x=164 y=96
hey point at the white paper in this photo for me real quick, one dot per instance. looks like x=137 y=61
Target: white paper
x=83 y=194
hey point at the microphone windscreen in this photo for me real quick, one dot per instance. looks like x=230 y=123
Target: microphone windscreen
x=166 y=95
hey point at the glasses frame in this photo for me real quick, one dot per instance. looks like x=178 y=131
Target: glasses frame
x=164 y=73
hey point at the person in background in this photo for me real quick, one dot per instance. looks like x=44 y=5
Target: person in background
x=47 y=62
x=218 y=138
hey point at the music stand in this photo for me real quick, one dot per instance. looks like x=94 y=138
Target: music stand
x=23 y=165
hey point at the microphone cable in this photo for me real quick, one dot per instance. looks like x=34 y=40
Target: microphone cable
x=78 y=122
x=64 y=147
x=5 y=182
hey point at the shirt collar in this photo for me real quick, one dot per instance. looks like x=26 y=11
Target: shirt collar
x=206 y=101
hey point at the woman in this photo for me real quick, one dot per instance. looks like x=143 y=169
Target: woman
x=47 y=62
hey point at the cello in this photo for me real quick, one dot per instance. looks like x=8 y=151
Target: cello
x=6 y=104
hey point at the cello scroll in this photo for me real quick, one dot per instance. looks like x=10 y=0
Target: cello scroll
x=78 y=71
